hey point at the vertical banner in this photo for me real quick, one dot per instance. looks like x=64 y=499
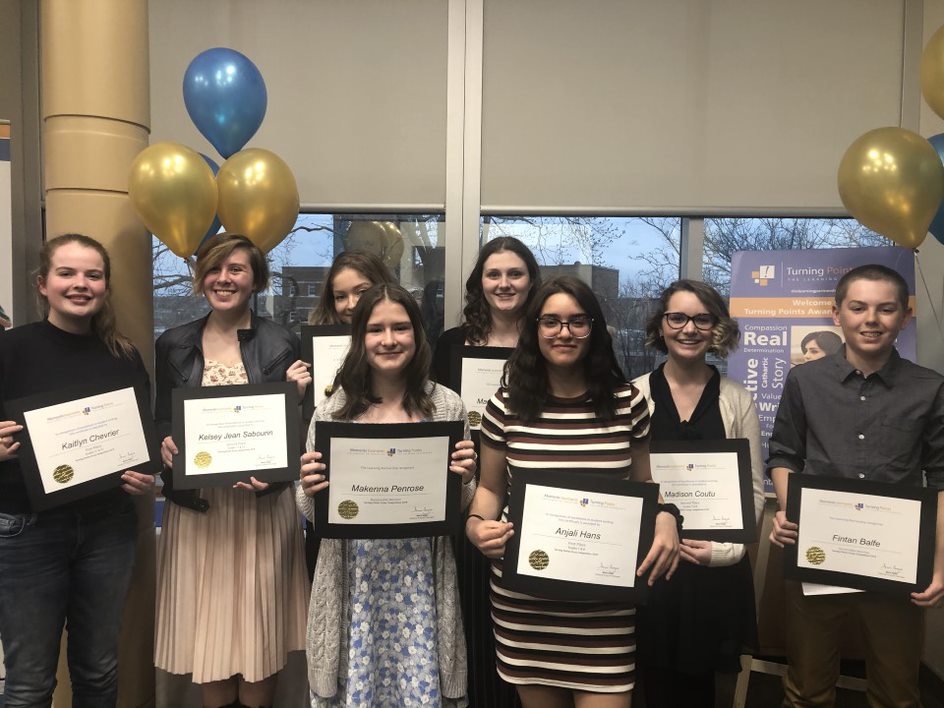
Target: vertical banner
x=6 y=225
x=783 y=303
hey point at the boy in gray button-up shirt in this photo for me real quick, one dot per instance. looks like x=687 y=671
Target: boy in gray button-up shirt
x=862 y=413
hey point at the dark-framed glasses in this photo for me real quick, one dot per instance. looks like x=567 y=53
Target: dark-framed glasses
x=677 y=320
x=549 y=327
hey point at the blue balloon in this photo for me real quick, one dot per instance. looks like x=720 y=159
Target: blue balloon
x=937 y=224
x=225 y=97
x=215 y=226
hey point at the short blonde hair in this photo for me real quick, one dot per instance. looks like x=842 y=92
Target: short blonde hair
x=218 y=248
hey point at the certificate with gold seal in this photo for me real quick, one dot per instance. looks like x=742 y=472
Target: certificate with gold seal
x=324 y=347
x=477 y=374
x=861 y=534
x=227 y=434
x=388 y=480
x=78 y=441
x=578 y=535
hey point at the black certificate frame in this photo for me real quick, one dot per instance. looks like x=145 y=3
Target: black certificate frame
x=926 y=539
x=308 y=333
x=288 y=473
x=747 y=533
x=578 y=480
x=451 y=524
x=40 y=500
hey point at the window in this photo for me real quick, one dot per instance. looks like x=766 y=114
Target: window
x=725 y=236
x=626 y=261
x=412 y=245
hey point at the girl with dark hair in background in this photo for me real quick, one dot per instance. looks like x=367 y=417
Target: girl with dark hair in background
x=699 y=622
x=384 y=626
x=817 y=345
x=564 y=375
x=231 y=573
x=351 y=274
x=70 y=565
x=497 y=293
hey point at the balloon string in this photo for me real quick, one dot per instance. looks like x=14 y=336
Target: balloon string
x=927 y=290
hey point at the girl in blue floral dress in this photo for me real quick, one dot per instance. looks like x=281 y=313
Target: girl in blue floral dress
x=384 y=625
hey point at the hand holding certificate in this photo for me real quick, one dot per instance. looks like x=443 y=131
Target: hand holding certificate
x=865 y=535
x=385 y=480
x=710 y=482
x=325 y=346
x=227 y=434
x=80 y=441
x=578 y=536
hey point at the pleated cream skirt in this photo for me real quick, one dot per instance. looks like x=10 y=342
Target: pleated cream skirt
x=232 y=590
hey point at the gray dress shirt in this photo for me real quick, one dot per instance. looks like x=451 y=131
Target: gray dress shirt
x=887 y=427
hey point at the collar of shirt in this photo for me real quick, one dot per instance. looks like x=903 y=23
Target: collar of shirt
x=887 y=374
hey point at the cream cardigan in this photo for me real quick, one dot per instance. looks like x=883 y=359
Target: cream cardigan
x=739 y=416
x=328 y=608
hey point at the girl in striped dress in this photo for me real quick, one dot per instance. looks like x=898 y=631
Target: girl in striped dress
x=564 y=404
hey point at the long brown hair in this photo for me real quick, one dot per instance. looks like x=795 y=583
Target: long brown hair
x=356 y=375
x=367 y=264
x=477 y=315
x=104 y=324
x=525 y=376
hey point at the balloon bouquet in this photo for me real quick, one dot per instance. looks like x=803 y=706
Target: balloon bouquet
x=891 y=179
x=182 y=196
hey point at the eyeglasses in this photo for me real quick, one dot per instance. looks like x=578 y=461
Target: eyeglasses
x=677 y=320
x=579 y=327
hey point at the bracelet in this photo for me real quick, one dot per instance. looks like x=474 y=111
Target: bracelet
x=475 y=516
x=674 y=511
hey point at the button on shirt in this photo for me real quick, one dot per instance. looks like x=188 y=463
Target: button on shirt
x=886 y=427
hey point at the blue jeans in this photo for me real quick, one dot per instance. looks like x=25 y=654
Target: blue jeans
x=62 y=568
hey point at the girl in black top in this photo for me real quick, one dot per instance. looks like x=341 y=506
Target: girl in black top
x=71 y=564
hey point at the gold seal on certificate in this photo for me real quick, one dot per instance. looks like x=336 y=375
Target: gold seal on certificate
x=227 y=434
x=578 y=535
x=78 y=441
x=325 y=346
x=387 y=480
x=538 y=559
x=861 y=534
x=63 y=474
x=815 y=555
x=347 y=509
x=477 y=373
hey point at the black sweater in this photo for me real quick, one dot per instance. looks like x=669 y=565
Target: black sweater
x=39 y=357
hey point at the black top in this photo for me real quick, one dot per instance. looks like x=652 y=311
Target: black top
x=706 y=422
x=442 y=355
x=39 y=357
x=833 y=421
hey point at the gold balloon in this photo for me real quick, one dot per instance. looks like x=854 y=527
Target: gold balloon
x=932 y=72
x=174 y=193
x=382 y=238
x=258 y=197
x=892 y=181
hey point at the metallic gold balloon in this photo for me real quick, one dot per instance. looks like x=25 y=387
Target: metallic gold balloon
x=932 y=72
x=382 y=238
x=174 y=193
x=258 y=197
x=892 y=181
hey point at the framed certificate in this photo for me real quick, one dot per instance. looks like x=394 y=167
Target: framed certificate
x=476 y=376
x=78 y=441
x=388 y=480
x=858 y=534
x=325 y=346
x=578 y=535
x=711 y=483
x=227 y=434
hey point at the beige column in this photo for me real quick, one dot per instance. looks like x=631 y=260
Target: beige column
x=96 y=118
